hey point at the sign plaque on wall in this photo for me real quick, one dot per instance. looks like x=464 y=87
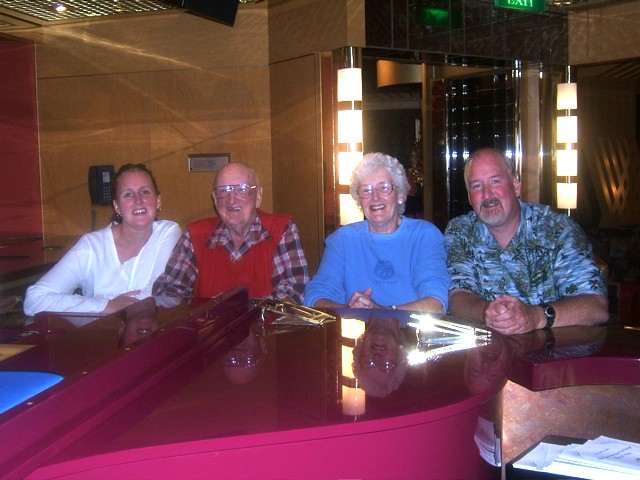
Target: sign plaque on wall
x=208 y=162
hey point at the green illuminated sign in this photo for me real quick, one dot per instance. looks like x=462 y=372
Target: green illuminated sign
x=436 y=13
x=437 y=17
x=525 y=5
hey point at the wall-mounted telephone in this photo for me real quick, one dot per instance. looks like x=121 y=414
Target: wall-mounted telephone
x=101 y=178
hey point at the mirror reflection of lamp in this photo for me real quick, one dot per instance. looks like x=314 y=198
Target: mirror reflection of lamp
x=353 y=398
x=567 y=157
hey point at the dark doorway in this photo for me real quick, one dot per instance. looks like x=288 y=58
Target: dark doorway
x=468 y=114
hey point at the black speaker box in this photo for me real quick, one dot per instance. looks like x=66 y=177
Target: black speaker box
x=223 y=11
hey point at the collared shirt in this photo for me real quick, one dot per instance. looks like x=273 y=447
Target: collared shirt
x=290 y=271
x=548 y=258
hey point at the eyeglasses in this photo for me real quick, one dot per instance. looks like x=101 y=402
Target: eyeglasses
x=383 y=188
x=370 y=363
x=242 y=190
x=243 y=361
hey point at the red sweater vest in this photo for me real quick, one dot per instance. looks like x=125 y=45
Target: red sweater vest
x=254 y=270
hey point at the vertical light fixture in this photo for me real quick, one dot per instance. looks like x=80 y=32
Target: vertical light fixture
x=349 y=129
x=567 y=154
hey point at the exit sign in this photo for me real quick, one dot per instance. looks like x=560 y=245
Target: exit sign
x=525 y=5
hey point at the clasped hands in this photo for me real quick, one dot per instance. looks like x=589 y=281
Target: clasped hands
x=363 y=300
x=508 y=315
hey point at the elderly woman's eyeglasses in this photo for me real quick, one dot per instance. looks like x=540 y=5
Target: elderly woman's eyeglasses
x=369 y=363
x=242 y=190
x=383 y=188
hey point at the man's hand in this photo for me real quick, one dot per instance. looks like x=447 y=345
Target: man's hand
x=509 y=315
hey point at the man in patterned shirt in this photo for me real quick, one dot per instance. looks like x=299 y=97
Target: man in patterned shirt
x=515 y=265
x=243 y=246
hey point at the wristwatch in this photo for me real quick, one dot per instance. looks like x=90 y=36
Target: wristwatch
x=549 y=313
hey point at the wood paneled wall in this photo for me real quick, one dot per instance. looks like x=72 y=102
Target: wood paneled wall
x=150 y=89
x=299 y=27
x=297 y=151
x=155 y=88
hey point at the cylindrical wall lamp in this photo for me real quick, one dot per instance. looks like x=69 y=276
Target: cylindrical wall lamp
x=567 y=129
x=567 y=134
x=350 y=84
x=567 y=195
x=349 y=128
x=567 y=96
x=347 y=161
x=566 y=163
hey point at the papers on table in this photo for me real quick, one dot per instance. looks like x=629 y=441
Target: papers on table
x=601 y=459
x=488 y=442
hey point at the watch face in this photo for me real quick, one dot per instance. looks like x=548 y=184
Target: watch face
x=549 y=311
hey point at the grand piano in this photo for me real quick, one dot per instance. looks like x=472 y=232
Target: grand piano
x=231 y=388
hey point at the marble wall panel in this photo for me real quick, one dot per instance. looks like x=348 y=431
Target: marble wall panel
x=604 y=34
x=585 y=411
x=475 y=28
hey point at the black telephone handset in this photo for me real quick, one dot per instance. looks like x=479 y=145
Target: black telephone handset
x=101 y=178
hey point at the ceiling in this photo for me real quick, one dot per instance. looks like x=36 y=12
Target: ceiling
x=25 y=13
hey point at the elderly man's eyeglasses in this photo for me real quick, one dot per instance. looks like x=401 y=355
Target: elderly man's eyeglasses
x=385 y=366
x=242 y=190
x=243 y=361
x=383 y=188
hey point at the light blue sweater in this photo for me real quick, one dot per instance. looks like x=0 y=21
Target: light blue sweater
x=400 y=267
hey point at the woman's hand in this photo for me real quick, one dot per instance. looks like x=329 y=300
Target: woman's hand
x=363 y=300
x=121 y=301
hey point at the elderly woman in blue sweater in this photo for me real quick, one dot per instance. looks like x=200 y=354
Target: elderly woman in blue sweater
x=387 y=260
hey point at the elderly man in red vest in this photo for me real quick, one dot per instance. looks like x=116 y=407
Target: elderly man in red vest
x=243 y=246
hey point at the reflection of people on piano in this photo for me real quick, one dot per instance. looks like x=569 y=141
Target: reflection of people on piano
x=242 y=363
x=139 y=322
x=379 y=357
x=487 y=365
x=559 y=343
